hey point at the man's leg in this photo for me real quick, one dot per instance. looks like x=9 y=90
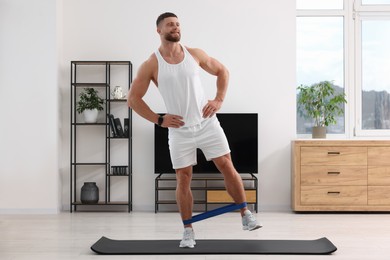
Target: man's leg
x=183 y=192
x=233 y=181
x=185 y=203
x=235 y=188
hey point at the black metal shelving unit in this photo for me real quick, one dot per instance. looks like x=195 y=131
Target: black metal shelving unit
x=79 y=167
x=204 y=184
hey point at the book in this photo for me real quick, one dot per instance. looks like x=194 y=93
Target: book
x=126 y=127
x=119 y=170
x=112 y=125
x=118 y=126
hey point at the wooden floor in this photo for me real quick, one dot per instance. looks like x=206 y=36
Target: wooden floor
x=70 y=235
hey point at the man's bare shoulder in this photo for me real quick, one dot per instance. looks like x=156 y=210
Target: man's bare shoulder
x=194 y=51
x=151 y=62
x=149 y=66
x=199 y=54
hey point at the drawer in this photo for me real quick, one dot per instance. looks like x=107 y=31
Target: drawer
x=379 y=195
x=334 y=195
x=379 y=156
x=333 y=175
x=223 y=196
x=378 y=175
x=333 y=155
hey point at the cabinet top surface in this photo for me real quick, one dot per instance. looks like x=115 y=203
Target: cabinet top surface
x=312 y=142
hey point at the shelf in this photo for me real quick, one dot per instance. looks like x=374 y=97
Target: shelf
x=90 y=124
x=101 y=62
x=95 y=85
x=198 y=188
x=81 y=165
x=211 y=195
x=90 y=164
x=174 y=202
x=166 y=202
x=101 y=203
x=216 y=203
x=117 y=100
x=174 y=188
x=211 y=178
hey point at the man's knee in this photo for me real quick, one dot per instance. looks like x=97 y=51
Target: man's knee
x=184 y=176
x=224 y=163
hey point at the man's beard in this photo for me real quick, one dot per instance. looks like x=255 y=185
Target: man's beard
x=171 y=38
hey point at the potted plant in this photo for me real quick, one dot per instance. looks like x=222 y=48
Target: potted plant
x=89 y=105
x=319 y=102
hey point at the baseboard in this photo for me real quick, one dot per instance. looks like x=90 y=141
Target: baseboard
x=28 y=211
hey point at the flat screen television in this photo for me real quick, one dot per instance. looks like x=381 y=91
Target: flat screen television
x=241 y=132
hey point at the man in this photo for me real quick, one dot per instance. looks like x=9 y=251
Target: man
x=190 y=117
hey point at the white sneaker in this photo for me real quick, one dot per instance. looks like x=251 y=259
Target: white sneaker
x=188 y=238
x=249 y=221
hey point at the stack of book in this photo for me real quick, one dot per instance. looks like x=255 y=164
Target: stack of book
x=119 y=170
x=116 y=126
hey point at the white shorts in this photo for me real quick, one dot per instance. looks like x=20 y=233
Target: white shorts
x=207 y=136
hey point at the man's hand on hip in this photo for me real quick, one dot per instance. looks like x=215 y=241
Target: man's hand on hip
x=211 y=108
x=174 y=121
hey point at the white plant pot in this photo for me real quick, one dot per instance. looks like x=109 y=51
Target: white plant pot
x=90 y=115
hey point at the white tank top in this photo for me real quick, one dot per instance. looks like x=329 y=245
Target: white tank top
x=181 y=88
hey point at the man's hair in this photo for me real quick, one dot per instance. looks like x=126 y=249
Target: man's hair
x=163 y=16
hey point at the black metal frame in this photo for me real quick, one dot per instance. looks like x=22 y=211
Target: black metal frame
x=73 y=130
x=205 y=188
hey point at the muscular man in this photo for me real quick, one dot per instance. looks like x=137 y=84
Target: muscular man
x=190 y=117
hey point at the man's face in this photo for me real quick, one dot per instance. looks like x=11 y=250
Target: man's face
x=169 y=29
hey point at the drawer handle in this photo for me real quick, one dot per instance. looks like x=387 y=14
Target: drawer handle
x=333 y=153
x=334 y=173
x=334 y=193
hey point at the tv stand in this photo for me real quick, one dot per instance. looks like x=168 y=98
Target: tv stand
x=208 y=190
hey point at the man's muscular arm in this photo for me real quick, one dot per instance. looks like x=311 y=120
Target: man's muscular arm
x=214 y=67
x=138 y=90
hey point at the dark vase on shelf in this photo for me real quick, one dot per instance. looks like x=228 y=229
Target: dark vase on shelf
x=89 y=193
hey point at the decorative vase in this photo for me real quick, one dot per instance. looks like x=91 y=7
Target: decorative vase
x=319 y=132
x=90 y=115
x=117 y=93
x=89 y=193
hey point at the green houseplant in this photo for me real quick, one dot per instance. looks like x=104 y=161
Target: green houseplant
x=90 y=104
x=320 y=102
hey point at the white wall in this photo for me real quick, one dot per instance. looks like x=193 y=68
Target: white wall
x=254 y=39
x=28 y=107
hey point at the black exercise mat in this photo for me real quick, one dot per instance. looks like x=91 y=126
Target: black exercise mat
x=108 y=246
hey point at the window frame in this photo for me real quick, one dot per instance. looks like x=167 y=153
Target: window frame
x=353 y=14
x=359 y=7
x=346 y=42
x=365 y=13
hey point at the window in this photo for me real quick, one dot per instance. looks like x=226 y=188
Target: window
x=320 y=52
x=372 y=78
x=347 y=42
x=375 y=77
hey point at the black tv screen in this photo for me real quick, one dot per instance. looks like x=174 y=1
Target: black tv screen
x=241 y=132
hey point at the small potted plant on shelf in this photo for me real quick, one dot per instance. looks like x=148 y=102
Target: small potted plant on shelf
x=90 y=104
x=319 y=102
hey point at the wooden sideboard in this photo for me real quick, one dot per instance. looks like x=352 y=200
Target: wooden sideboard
x=340 y=175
